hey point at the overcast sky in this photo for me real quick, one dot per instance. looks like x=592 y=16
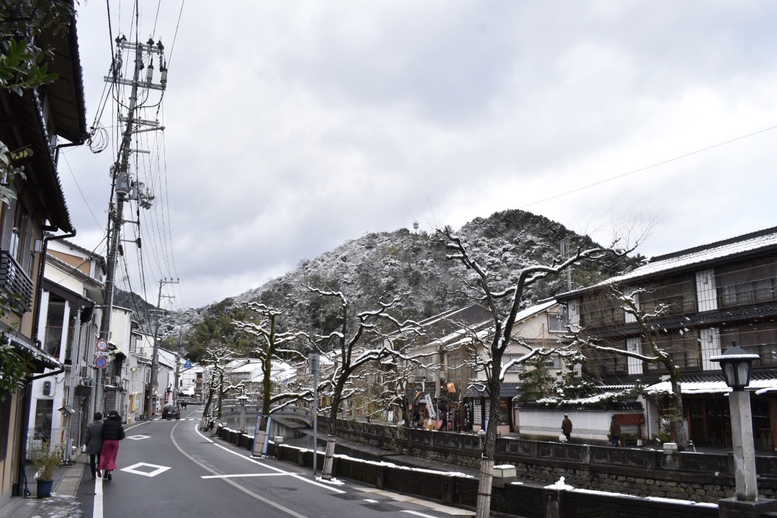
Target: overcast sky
x=294 y=126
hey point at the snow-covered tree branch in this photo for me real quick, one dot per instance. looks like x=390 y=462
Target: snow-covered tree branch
x=271 y=345
x=504 y=306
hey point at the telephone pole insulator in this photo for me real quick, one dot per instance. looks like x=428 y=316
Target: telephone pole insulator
x=123 y=184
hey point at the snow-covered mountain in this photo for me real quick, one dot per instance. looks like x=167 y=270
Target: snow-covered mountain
x=413 y=268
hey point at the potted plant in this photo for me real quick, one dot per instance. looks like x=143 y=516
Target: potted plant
x=46 y=459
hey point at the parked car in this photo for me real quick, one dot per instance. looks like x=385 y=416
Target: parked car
x=171 y=411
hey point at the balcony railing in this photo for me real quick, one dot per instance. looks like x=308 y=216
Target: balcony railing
x=15 y=282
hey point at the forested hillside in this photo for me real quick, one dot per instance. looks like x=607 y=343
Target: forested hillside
x=411 y=267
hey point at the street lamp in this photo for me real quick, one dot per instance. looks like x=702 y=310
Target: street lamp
x=736 y=363
x=242 y=398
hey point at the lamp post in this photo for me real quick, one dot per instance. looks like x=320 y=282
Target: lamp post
x=736 y=363
x=242 y=398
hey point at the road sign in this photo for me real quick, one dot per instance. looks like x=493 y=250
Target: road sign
x=100 y=353
x=102 y=345
x=101 y=362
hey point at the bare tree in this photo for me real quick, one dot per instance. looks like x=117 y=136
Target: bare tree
x=273 y=346
x=350 y=353
x=657 y=354
x=217 y=358
x=504 y=306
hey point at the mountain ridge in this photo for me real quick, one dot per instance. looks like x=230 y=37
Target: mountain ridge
x=412 y=268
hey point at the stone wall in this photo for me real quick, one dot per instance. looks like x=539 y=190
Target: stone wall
x=700 y=477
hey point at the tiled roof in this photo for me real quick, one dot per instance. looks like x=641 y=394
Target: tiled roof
x=694 y=258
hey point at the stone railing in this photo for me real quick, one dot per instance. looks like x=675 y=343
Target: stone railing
x=527 y=500
x=646 y=471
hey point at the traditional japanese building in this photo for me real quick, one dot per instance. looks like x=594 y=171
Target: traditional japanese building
x=695 y=304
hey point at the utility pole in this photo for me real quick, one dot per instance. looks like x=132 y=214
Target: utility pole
x=155 y=354
x=122 y=187
x=177 y=367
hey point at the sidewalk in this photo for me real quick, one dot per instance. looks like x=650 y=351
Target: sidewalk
x=61 y=504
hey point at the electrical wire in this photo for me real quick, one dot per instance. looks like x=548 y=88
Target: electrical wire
x=75 y=181
x=642 y=169
x=156 y=256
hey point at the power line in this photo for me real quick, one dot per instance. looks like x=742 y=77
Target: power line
x=635 y=171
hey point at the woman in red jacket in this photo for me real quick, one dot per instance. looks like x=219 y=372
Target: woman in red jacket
x=113 y=432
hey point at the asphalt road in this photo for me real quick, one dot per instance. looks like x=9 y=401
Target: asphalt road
x=171 y=469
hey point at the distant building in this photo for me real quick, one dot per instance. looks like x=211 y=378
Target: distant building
x=455 y=389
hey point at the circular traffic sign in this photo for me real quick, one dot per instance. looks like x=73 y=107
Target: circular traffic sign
x=100 y=362
x=102 y=344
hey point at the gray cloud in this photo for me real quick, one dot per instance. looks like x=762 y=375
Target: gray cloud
x=292 y=127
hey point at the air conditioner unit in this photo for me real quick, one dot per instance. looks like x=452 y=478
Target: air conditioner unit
x=84 y=372
x=85 y=381
x=118 y=382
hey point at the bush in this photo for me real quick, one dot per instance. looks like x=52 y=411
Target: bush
x=47 y=460
x=629 y=439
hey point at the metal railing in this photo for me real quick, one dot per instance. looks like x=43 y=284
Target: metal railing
x=15 y=282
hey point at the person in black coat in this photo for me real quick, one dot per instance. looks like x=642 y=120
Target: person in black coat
x=615 y=432
x=566 y=427
x=94 y=442
x=113 y=432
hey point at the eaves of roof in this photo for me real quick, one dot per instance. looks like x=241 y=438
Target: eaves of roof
x=481 y=390
x=691 y=259
x=696 y=383
x=66 y=94
x=42 y=182
x=728 y=316
x=24 y=345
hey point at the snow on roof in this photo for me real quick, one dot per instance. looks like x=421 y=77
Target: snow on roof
x=711 y=387
x=533 y=310
x=700 y=255
x=245 y=365
x=280 y=371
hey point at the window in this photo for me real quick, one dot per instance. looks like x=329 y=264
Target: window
x=747 y=283
x=601 y=310
x=760 y=339
x=676 y=295
x=516 y=367
x=684 y=349
x=454 y=360
x=556 y=323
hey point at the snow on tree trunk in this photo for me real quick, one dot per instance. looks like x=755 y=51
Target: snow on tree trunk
x=329 y=457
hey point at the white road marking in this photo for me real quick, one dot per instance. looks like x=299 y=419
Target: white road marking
x=244 y=475
x=135 y=469
x=298 y=476
x=138 y=437
x=97 y=506
x=237 y=486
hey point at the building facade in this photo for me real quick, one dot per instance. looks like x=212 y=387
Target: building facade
x=36 y=119
x=694 y=304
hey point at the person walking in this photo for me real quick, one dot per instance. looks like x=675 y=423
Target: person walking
x=615 y=432
x=566 y=427
x=112 y=433
x=94 y=443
